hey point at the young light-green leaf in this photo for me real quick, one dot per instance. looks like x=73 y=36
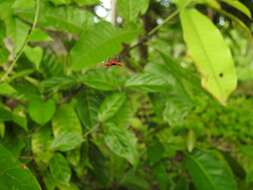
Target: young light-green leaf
x=210 y=53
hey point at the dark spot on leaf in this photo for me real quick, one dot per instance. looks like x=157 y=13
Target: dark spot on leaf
x=221 y=75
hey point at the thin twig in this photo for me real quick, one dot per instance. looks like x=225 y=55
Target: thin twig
x=20 y=52
x=114 y=11
x=154 y=30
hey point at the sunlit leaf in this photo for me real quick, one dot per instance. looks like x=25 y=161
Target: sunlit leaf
x=210 y=53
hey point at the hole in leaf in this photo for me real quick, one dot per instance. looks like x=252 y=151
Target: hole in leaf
x=221 y=75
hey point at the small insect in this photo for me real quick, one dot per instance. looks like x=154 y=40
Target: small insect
x=113 y=62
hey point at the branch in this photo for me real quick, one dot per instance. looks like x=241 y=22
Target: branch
x=20 y=52
x=114 y=11
x=154 y=30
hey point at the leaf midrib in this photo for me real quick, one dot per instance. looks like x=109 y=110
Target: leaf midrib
x=208 y=58
x=203 y=170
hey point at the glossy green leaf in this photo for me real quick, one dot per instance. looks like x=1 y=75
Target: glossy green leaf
x=147 y=82
x=60 y=169
x=210 y=53
x=209 y=171
x=67 y=129
x=99 y=43
x=106 y=79
x=122 y=142
x=15 y=175
x=111 y=106
x=41 y=111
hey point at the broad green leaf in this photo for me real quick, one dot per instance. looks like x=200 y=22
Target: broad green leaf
x=87 y=106
x=34 y=55
x=176 y=111
x=41 y=111
x=99 y=43
x=111 y=106
x=67 y=129
x=123 y=116
x=122 y=142
x=15 y=175
x=147 y=82
x=209 y=171
x=7 y=89
x=40 y=36
x=17 y=31
x=239 y=6
x=41 y=141
x=210 y=53
x=62 y=18
x=106 y=79
x=60 y=169
x=129 y=10
x=23 y=4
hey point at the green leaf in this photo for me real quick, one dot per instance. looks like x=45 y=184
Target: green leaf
x=34 y=55
x=63 y=18
x=99 y=43
x=19 y=117
x=7 y=89
x=209 y=171
x=129 y=10
x=210 y=54
x=87 y=108
x=86 y=2
x=111 y=106
x=182 y=184
x=60 y=169
x=147 y=82
x=105 y=79
x=239 y=6
x=41 y=141
x=40 y=111
x=5 y=115
x=14 y=175
x=122 y=142
x=67 y=129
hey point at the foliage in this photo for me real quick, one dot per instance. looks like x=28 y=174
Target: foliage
x=174 y=113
